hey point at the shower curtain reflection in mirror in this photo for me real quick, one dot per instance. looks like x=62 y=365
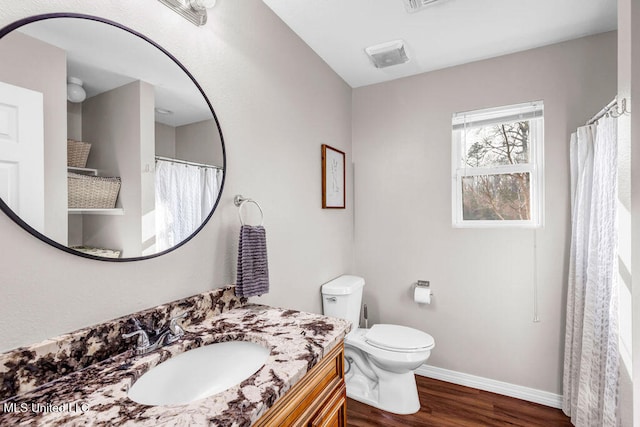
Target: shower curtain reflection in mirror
x=185 y=195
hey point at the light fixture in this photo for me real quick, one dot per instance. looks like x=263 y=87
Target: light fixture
x=387 y=54
x=75 y=91
x=202 y=4
x=194 y=11
x=416 y=5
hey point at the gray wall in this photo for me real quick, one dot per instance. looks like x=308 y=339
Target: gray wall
x=196 y=142
x=74 y=131
x=25 y=70
x=624 y=218
x=119 y=124
x=199 y=142
x=274 y=118
x=74 y=120
x=482 y=279
x=629 y=208
x=165 y=140
x=635 y=202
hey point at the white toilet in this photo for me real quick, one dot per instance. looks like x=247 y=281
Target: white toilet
x=379 y=362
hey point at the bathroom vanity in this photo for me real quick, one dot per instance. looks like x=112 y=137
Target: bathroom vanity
x=85 y=376
x=319 y=399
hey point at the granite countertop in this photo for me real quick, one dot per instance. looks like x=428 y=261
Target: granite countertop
x=97 y=394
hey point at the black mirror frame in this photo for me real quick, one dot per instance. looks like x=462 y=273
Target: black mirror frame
x=11 y=214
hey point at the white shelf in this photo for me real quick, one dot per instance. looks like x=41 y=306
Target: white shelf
x=86 y=211
x=85 y=171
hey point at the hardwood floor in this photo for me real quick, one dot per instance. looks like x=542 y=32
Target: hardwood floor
x=449 y=405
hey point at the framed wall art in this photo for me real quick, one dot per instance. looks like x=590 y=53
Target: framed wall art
x=333 y=178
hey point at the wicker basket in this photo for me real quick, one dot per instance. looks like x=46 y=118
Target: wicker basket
x=77 y=153
x=92 y=192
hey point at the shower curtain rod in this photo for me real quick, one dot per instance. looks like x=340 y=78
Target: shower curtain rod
x=610 y=108
x=186 y=162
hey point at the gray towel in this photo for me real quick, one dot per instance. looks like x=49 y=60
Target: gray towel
x=253 y=269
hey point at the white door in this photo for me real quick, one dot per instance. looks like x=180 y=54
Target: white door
x=22 y=153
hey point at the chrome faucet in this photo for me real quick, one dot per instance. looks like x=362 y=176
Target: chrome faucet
x=162 y=336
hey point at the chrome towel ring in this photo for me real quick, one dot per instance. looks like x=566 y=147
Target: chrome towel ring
x=240 y=201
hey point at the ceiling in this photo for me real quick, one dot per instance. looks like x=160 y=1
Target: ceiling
x=105 y=57
x=443 y=34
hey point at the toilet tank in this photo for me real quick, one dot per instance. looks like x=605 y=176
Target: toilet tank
x=342 y=297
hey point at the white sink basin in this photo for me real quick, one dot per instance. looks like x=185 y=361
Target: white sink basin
x=199 y=373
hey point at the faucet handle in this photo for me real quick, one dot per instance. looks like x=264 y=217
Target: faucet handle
x=174 y=326
x=137 y=324
x=143 y=338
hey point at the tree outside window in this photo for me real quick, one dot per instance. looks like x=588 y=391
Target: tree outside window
x=497 y=167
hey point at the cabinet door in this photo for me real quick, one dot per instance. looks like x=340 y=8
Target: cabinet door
x=308 y=401
x=334 y=414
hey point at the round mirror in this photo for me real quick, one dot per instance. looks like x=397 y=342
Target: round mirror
x=109 y=148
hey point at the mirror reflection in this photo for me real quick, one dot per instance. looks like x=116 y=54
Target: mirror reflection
x=107 y=146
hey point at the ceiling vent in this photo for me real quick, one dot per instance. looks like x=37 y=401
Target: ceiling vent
x=416 y=5
x=387 y=54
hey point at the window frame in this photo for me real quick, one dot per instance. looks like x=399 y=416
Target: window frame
x=535 y=166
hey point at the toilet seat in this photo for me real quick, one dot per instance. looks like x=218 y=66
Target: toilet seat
x=398 y=338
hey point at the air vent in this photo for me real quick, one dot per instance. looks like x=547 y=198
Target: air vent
x=416 y=5
x=387 y=54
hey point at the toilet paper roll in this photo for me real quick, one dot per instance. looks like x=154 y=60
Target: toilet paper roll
x=422 y=295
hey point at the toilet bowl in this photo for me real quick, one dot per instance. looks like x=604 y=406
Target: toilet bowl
x=379 y=362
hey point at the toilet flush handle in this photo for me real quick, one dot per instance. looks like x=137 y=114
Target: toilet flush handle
x=332 y=299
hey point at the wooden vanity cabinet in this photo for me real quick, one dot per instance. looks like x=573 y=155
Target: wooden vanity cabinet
x=319 y=399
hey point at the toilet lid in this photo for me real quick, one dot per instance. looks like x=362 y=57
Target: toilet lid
x=398 y=338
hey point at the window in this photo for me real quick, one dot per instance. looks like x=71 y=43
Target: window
x=497 y=165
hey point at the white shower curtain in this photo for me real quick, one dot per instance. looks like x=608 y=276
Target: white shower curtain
x=211 y=179
x=185 y=195
x=591 y=359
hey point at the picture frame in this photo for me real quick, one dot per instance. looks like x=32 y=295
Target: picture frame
x=333 y=178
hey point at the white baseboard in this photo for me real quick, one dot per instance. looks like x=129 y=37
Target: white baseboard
x=520 y=392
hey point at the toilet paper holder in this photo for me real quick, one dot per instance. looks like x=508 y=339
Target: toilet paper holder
x=424 y=284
